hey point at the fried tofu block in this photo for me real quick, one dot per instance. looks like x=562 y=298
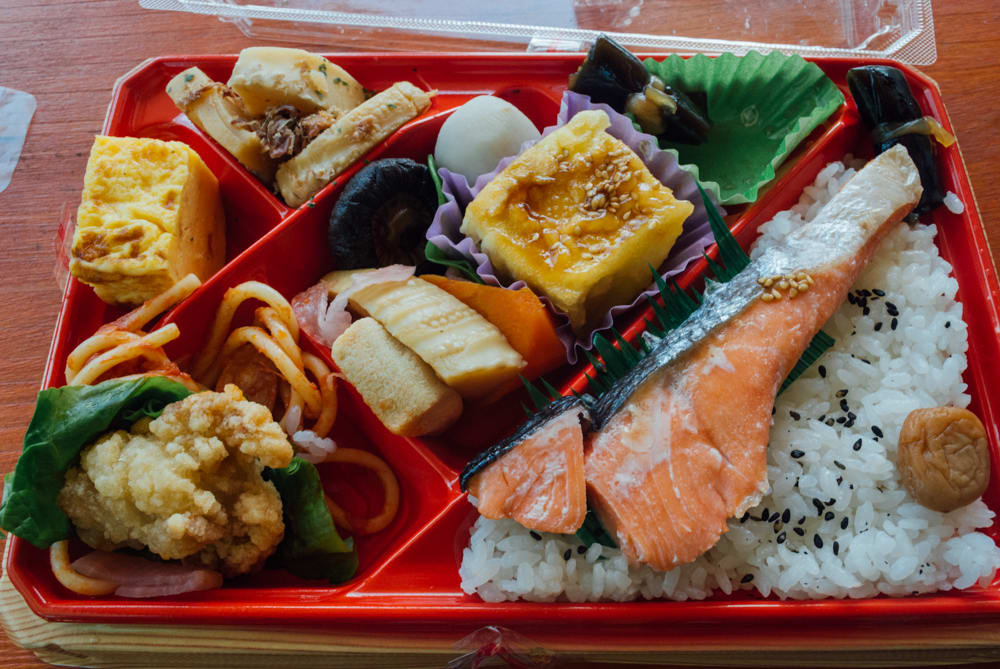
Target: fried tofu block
x=150 y=214
x=352 y=136
x=402 y=390
x=579 y=218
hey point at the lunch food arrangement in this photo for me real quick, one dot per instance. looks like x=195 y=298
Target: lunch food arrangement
x=673 y=329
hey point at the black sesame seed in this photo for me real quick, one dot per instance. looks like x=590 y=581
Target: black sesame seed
x=854 y=332
x=746 y=578
x=828 y=515
x=819 y=506
x=799 y=531
x=857 y=445
x=842 y=420
x=797 y=453
x=567 y=554
x=774 y=517
x=767 y=512
x=822 y=371
x=535 y=535
x=786 y=515
x=831 y=501
x=851 y=415
x=865 y=360
x=836 y=547
x=817 y=541
x=880 y=293
x=581 y=549
x=849 y=423
x=865 y=292
x=851 y=298
x=745 y=517
x=947 y=324
x=840 y=465
x=773 y=409
x=840 y=479
x=781 y=538
x=891 y=309
x=795 y=415
x=844 y=406
x=844 y=522
x=802 y=520
x=878 y=326
x=829 y=422
x=894 y=324
x=842 y=392
x=877 y=431
x=866 y=311
x=822 y=418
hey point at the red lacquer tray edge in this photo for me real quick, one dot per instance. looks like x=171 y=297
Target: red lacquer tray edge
x=981 y=604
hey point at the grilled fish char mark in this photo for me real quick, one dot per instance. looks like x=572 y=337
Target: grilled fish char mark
x=679 y=444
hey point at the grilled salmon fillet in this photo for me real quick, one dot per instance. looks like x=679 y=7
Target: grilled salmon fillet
x=535 y=476
x=680 y=443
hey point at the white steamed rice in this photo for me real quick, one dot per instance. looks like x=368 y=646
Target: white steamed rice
x=870 y=536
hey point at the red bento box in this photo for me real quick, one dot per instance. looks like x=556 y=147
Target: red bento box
x=407 y=585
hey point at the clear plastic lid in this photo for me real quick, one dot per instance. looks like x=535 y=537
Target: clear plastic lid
x=899 y=29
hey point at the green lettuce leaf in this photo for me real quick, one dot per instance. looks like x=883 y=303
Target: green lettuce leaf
x=65 y=420
x=311 y=548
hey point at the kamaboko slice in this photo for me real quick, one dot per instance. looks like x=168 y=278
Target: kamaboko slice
x=467 y=351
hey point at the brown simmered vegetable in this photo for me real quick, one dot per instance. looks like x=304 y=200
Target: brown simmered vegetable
x=943 y=458
x=285 y=131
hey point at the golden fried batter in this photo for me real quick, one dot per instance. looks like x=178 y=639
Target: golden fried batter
x=187 y=485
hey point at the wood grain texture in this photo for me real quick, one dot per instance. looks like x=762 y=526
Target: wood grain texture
x=68 y=53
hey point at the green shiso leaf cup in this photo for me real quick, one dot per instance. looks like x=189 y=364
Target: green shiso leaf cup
x=761 y=107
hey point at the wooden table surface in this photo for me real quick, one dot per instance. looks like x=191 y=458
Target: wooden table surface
x=69 y=53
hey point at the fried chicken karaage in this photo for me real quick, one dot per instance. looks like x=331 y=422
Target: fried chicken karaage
x=186 y=485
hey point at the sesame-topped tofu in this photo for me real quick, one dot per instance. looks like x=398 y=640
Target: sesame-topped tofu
x=579 y=218
x=150 y=214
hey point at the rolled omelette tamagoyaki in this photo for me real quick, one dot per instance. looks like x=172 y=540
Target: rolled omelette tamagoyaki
x=678 y=445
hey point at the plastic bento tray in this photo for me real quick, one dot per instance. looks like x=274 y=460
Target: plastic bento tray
x=408 y=583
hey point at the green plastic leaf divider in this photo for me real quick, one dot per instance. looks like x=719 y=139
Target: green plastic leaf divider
x=432 y=165
x=817 y=347
x=432 y=252
x=592 y=532
x=538 y=398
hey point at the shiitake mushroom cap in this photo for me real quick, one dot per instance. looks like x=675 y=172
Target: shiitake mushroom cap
x=382 y=215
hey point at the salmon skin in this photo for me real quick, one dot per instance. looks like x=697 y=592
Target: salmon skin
x=535 y=476
x=679 y=443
